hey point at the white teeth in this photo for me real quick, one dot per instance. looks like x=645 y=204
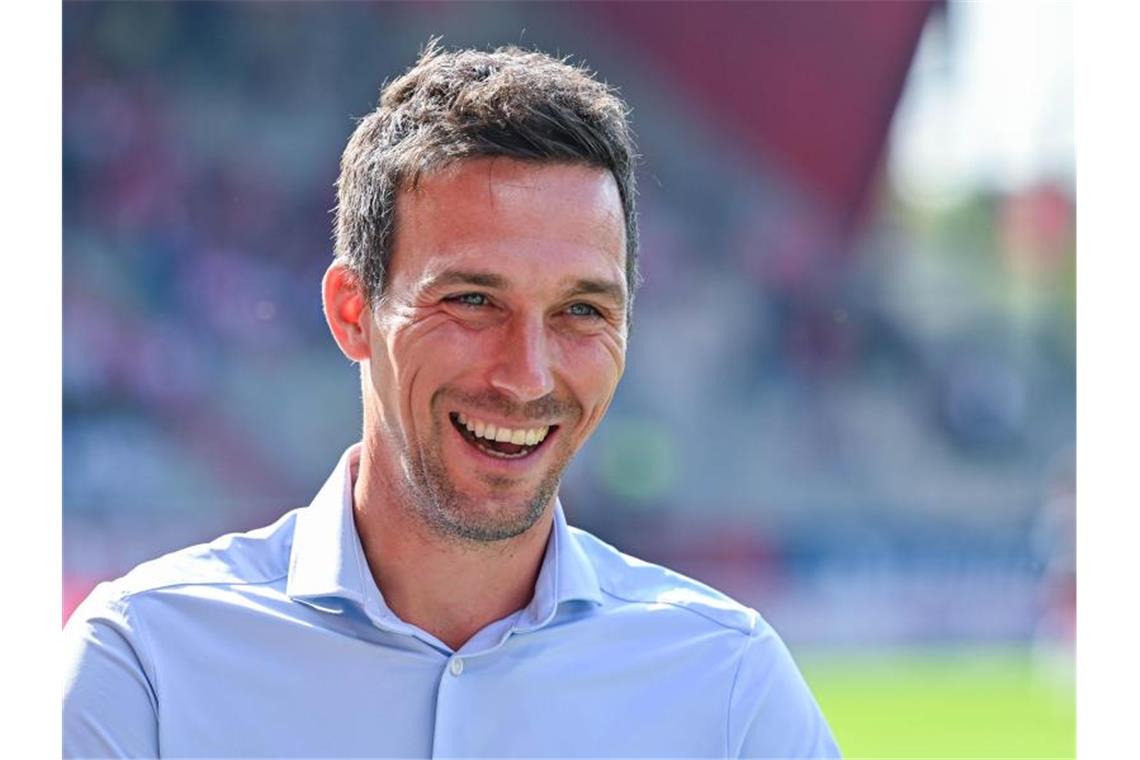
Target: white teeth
x=518 y=437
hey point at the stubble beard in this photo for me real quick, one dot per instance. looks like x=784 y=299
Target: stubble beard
x=451 y=514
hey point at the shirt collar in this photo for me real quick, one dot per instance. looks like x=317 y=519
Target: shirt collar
x=566 y=574
x=327 y=565
x=325 y=559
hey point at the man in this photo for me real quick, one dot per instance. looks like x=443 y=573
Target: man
x=432 y=601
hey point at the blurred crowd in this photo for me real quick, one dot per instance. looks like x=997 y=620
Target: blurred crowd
x=863 y=429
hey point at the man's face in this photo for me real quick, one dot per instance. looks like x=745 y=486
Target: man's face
x=504 y=317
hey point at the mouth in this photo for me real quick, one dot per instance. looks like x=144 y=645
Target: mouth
x=501 y=442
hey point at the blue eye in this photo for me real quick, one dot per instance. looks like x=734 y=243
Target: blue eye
x=583 y=310
x=470 y=299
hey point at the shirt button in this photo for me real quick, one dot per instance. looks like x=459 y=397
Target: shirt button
x=456 y=666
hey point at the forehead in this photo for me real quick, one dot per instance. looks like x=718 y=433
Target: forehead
x=533 y=218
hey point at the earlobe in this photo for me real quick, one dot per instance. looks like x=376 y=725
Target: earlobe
x=346 y=311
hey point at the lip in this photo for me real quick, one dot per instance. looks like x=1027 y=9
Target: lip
x=515 y=467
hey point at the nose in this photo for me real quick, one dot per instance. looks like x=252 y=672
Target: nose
x=524 y=368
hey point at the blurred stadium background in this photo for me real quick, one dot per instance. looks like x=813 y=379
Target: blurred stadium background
x=850 y=392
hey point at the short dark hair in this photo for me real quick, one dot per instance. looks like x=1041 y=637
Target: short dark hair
x=461 y=104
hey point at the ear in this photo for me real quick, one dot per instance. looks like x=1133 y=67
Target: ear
x=346 y=311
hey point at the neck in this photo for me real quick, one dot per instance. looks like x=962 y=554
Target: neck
x=449 y=587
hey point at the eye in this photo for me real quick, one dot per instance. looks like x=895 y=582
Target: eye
x=470 y=299
x=582 y=310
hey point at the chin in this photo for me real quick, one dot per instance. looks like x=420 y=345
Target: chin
x=502 y=509
x=486 y=521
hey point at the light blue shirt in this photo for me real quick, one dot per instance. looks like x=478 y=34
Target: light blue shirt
x=278 y=643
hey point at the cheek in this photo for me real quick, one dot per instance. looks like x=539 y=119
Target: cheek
x=591 y=369
x=427 y=357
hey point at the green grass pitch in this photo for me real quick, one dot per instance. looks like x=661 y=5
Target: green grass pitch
x=948 y=702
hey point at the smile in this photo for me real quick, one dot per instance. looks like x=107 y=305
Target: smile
x=498 y=441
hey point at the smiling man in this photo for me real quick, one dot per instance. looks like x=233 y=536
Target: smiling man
x=432 y=601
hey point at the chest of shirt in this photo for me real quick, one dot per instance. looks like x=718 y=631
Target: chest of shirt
x=613 y=685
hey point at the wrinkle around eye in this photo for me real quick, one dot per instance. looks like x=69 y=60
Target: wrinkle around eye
x=417 y=317
x=608 y=337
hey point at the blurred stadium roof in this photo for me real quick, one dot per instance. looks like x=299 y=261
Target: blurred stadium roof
x=798 y=73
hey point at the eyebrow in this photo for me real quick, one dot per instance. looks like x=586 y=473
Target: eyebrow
x=451 y=277
x=581 y=287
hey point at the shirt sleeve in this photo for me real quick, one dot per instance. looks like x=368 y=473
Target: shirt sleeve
x=109 y=703
x=772 y=712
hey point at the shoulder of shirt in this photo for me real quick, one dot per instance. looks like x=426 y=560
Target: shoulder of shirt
x=255 y=557
x=629 y=579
